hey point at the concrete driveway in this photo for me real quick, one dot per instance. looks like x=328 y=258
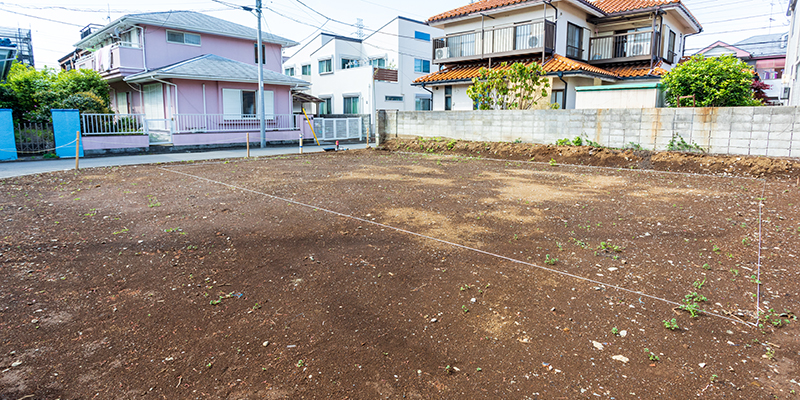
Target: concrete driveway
x=20 y=168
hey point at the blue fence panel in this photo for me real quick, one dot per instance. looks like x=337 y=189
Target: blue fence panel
x=66 y=125
x=8 y=147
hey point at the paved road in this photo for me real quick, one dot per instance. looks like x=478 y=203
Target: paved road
x=20 y=168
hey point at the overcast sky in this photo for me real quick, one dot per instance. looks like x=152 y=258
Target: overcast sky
x=56 y=23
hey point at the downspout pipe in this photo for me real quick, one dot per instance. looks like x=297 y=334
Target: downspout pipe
x=566 y=85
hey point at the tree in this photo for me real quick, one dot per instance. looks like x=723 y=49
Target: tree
x=509 y=87
x=759 y=90
x=31 y=93
x=722 y=81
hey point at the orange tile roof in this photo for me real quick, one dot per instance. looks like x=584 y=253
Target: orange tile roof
x=615 y=6
x=606 y=6
x=554 y=64
x=637 y=70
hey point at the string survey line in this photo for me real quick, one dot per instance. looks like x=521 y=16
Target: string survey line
x=40 y=151
x=457 y=245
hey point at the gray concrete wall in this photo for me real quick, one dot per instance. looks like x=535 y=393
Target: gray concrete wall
x=770 y=131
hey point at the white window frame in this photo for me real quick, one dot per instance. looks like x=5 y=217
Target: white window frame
x=330 y=60
x=232 y=100
x=168 y=31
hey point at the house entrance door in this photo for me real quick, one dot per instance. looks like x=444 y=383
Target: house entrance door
x=158 y=126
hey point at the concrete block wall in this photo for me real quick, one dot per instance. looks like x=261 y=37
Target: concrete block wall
x=768 y=131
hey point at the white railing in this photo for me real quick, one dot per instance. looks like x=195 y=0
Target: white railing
x=213 y=123
x=113 y=124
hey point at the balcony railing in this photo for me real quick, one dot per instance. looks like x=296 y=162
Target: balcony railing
x=622 y=47
x=214 y=123
x=524 y=38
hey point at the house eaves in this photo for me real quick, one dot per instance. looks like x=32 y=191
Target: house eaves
x=209 y=25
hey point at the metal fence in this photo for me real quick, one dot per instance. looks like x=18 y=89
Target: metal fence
x=338 y=128
x=113 y=124
x=34 y=139
x=214 y=123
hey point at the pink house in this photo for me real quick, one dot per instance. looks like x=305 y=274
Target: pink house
x=191 y=77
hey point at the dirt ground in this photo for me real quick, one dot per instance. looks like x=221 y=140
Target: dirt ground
x=378 y=274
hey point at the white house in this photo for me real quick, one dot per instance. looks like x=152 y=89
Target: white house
x=579 y=43
x=790 y=75
x=358 y=76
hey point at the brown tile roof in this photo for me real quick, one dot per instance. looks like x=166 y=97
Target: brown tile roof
x=554 y=64
x=615 y=6
x=637 y=70
x=606 y=6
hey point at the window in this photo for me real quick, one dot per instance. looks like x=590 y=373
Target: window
x=422 y=104
x=670 y=56
x=557 y=97
x=423 y=66
x=325 y=66
x=349 y=63
x=183 y=38
x=306 y=70
x=378 y=62
x=289 y=71
x=325 y=107
x=239 y=104
x=574 y=41
x=422 y=36
x=448 y=97
x=350 y=105
x=263 y=54
x=394 y=98
x=122 y=103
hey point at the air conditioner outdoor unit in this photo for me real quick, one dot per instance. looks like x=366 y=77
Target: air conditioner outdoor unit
x=444 y=52
x=785 y=92
x=533 y=41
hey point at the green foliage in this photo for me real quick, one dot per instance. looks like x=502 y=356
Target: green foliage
x=678 y=144
x=31 y=93
x=509 y=87
x=671 y=324
x=715 y=82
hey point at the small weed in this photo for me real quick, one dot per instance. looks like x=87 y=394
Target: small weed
x=464 y=309
x=152 y=201
x=714 y=378
x=691 y=304
x=615 y=331
x=770 y=353
x=706 y=266
x=652 y=356
x=301 y=363
x=671 y=324
x=120 y=232
x=553 y=162
x=448 y=370
x=699 y=285
x=678 y=144
x=550 y=261
x=715 y=249
x=746 y=241
x=754 y=279
x=735 y=272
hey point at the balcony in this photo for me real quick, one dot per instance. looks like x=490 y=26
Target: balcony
x=518 y=39
x=116 y=60
x=634 y=46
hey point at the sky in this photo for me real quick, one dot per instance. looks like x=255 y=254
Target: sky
x=56 y=24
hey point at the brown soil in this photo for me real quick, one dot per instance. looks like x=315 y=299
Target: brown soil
x=745 y=166
x=192 y=281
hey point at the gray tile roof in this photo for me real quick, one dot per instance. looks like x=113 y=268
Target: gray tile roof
x=764 y=45
x=210 y=67
x=191 y=21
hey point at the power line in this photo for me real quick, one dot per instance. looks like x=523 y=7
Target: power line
x=42 y=18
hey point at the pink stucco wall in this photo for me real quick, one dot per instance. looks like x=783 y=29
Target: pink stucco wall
x=115 y=142
x=190 y=96
x=159 y=53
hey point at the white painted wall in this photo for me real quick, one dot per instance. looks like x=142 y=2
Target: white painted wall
x=790 y=73
x=394 y=42
x=460 y=99
x=630 y=98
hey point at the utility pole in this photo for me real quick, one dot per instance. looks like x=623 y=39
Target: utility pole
x=260 y=102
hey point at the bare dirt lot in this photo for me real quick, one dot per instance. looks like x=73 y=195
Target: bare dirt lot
x=376 y=274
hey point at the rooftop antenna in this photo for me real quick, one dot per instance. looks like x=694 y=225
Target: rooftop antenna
x=108 y=17
x=769 y=31
x=360 y=26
